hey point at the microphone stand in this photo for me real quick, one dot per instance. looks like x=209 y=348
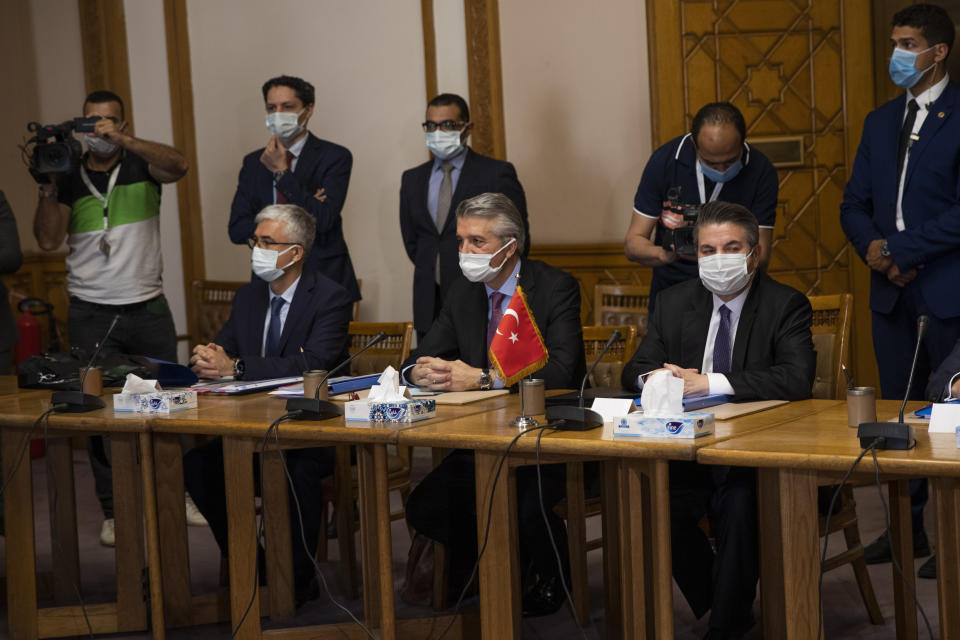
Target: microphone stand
x=78 y=401
x=578 y=418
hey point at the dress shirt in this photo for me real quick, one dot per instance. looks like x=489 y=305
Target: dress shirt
x=925 y=101
x=436 y=177
x=296 y=148
x=718 y=381
x=284 y=310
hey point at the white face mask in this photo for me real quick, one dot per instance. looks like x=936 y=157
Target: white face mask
x=444 y=144
x=476 y=266
x=264 y=263
x=99 y=146
x=284 y=125
x=724 y=273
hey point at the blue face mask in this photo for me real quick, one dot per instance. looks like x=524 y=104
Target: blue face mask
x=722 y=176
x=903 y=71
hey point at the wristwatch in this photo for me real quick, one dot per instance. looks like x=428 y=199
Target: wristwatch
x=485 y=381
x=884 y=249
x=238 y=368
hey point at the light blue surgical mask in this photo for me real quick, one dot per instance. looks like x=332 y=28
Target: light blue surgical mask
x=903 y=71
x=724 y=176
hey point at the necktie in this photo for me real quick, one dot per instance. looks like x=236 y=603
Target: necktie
x=721 y=346
x=282 y=199
x=905 y=131
x=444 y=198
x=276 y=327
x=496 y=315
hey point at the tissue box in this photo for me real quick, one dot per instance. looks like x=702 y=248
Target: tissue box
x=691 y=424
x=155 y=402
x=399 y=411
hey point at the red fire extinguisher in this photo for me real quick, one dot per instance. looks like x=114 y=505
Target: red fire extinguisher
x=29 y=344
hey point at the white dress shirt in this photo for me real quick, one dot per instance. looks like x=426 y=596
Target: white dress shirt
x=284 y=310
x=718 y=381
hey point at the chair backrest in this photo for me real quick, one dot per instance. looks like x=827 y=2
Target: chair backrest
x=621 y=304
x=212 y=300
x=607 y=373
x=391 y=351
x=831 y=340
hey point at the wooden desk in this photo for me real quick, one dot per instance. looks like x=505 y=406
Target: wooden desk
x=636 y=518
x=26 y=621
x=794 y=459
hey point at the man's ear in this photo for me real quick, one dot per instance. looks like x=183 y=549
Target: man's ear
x=756 y=257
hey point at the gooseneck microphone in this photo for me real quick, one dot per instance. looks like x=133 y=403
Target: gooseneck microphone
x=578 y=418
x=78 y=401
x=897 y=435
x=316 y=409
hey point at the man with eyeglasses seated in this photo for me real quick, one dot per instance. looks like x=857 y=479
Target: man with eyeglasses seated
x=430 y=193
x=288 y=307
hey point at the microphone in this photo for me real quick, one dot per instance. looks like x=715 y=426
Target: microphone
x=578 y=418
x=897 y=435
x=316 y=409
x=78 y=401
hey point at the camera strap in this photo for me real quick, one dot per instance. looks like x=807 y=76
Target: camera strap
x=703 y=189
x=104 y=199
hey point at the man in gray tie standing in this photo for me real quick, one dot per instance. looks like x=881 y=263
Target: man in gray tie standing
x=733 y=331
x=430 y=193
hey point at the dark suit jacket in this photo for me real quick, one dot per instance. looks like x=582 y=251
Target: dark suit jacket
x=554 y=298
x=773 y=356
x=321 y=164
x=937 y=386
x=317 y=320
x=420 y=236
x=10 y=260
x=931 y=202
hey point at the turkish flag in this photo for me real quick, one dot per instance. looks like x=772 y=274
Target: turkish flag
x=517 y=349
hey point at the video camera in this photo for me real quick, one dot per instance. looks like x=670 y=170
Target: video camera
x=681 y=237
x=53 y=149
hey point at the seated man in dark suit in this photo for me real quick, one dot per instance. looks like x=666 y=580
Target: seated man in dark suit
x=296 y=167
x=734 y=331
x=945 y=382
x=429 y=195
x=454 y=356
x=287 y=307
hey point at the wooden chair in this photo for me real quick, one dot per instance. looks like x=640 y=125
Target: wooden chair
x=831 y=340
x=213 y=300
x=618 y=305
x=342 y=492
x=577 y=508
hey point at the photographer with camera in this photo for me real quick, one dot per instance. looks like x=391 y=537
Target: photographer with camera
x=712 y=162
x=107 y=207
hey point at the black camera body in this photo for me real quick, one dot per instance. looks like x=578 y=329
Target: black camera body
x=682 y=237
x=54 y=149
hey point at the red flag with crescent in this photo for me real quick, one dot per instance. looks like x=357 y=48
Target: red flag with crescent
x=517 y=349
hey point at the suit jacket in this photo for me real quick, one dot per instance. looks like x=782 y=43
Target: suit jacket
x=10 y=260
x=937 y=386
x=421 y=239
x=931 y=201
x=321 y=164
x=773 y=356
x=554 y=298
x=317 y=320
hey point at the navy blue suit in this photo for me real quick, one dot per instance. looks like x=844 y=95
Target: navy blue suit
x=421 y=239
x=322 y=164
x=318 y=320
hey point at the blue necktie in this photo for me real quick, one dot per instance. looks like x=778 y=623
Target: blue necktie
x=275 y=328
x=721 y=346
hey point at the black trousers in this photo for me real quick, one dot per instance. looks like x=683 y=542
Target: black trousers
x=725 y=582
x=204 y=479
x=443 y=507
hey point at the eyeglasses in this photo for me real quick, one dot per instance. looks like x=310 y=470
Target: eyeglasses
x=447 y=125
x=254 y=241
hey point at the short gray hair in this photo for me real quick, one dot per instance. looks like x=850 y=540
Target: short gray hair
x=507 y=221
x=298 y=224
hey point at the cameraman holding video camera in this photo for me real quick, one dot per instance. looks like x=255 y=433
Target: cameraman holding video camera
x=107 y=209
x=712 y=162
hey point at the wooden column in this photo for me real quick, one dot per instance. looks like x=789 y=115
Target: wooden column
x=103 y=33
x=485 y=81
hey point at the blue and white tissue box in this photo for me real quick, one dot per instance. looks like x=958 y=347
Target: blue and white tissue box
x=155 y=401
x=392 y=411
x=691 y=424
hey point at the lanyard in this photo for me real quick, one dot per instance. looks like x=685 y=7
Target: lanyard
x=703 y=189
x=105 y=199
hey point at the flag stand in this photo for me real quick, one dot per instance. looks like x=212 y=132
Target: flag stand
x=523 y=421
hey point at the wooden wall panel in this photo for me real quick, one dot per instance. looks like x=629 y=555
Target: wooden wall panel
x=484 y=77
x=103 y=30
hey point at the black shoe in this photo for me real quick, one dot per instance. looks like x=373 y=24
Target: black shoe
x=544 y=599
x=878 y=551
x=928 y=569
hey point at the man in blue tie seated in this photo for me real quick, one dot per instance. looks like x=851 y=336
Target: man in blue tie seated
x=287 y=307
x=945 y=382
x=738 y=332
x=454 y=356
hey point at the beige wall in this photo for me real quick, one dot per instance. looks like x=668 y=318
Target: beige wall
x=577 y=111
x=366 y=60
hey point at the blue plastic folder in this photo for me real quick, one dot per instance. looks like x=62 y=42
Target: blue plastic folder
x=701 y=402
x=927 y=410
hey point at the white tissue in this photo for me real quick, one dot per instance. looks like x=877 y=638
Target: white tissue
x=662 y=395
x=388 y=388
x=136 y=384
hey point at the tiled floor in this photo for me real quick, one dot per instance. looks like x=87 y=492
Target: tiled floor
x=844 y=614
